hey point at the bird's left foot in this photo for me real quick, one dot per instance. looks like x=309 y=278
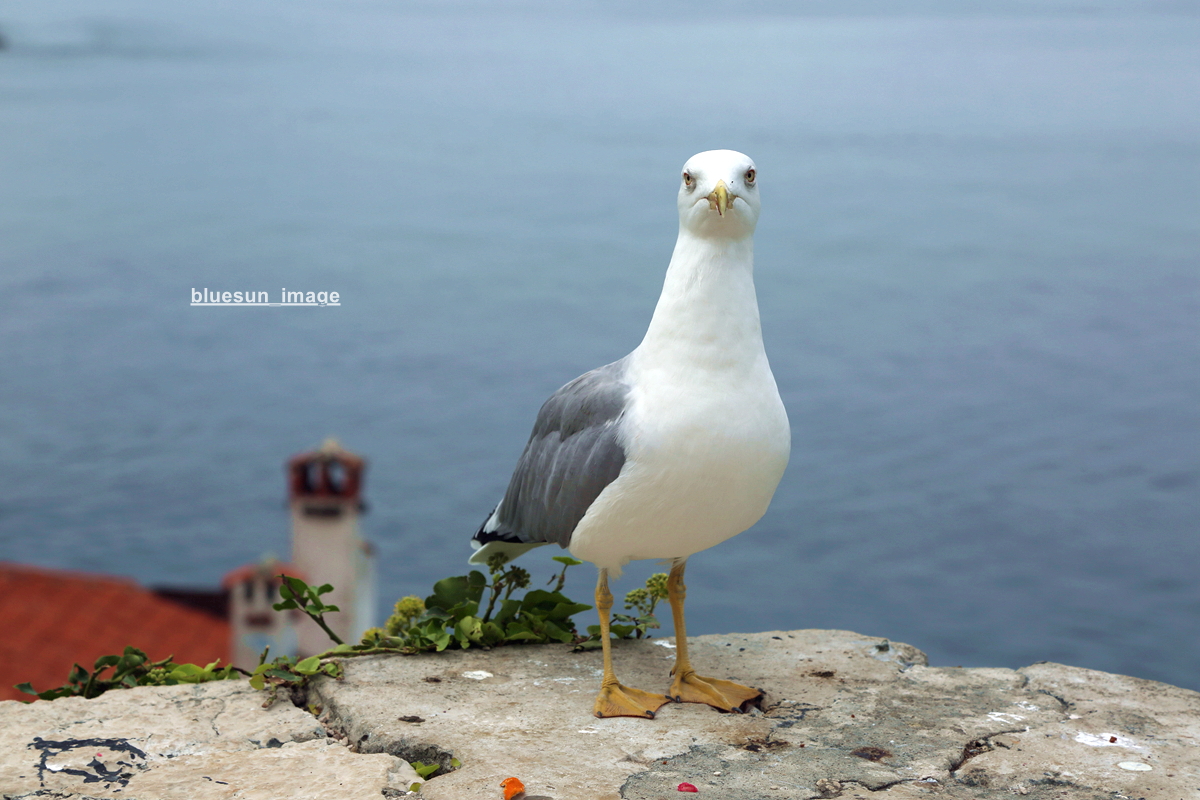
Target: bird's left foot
x=725 y=696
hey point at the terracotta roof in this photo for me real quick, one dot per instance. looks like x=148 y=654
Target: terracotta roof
x=54 y=618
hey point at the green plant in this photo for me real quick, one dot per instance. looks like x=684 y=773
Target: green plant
x=131 y=668
x=447 y=618
x=287 y=672
x=450 y=617
x=625 y=626
x=298 y=594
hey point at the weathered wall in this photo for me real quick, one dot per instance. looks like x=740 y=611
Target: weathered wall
x=844 y=715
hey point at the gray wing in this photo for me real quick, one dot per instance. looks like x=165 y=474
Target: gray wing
x=572 y=454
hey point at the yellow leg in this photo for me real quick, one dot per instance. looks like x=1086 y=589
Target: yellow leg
x=614 y=699
x=688 y=687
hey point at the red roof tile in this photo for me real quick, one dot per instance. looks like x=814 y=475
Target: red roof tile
x=54 y=618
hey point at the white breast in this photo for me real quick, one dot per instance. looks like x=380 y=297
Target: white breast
x=705 y=432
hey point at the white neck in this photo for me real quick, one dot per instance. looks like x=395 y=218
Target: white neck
x=707 y=315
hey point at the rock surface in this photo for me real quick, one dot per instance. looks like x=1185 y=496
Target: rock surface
x=201 y=742
x=844 y=716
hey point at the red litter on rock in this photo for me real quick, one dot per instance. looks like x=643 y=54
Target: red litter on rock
x=687 y=787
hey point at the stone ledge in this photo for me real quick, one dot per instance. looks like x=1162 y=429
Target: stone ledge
x=844 y=715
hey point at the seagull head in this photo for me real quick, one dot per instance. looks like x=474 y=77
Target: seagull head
x=718 y=195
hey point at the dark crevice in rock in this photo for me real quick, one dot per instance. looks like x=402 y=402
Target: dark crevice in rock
x=831 y=788
x=360 y=739
x=978 y=746
x=789 y=715
x=213 y=722
x=969 y=751
x=875 y=787
x=410 y=751
x=1066 y=705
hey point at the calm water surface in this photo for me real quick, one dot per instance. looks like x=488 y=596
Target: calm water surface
x=977 y=267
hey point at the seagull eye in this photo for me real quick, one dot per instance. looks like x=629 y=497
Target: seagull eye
x=688 y=180
x=750 y=177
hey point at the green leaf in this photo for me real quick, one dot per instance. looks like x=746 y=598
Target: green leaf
x=570 y=562
x=492 y=633
x=541 y=598
x=522 y=636
x=454 y=762
x=469 y=629
x=557 y=633
x=448 y=592
x=285 y=605
x=26 y=688
x=467 y=608
x=621 y=631
x=275 y=672
x=325 y=588
x=106 y=661
x=187 y=673
x=476 y=583
x=416 y=787
x=186 y=670
x=563 y=611
x=257 y=681
x=309 y=666
x=425 y=770
x=508 y=610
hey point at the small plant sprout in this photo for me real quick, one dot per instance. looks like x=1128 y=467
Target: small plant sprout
x=298 y=594
x=566 y=561
x=508 y=580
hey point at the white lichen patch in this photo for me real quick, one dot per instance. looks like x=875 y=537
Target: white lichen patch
x=1106 y=740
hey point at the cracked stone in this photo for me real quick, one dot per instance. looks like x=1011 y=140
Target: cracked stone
x=202 y=742
x=843 y=717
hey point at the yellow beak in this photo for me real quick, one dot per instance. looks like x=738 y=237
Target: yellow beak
x=719 y=199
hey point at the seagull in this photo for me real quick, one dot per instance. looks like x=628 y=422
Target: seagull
x=674 y=448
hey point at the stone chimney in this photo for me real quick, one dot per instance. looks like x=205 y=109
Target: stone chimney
x=325 y=496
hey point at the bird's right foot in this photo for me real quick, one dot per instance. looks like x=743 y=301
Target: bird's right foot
x=616 y=700
x=725 y=696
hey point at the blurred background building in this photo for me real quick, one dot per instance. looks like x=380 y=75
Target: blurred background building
x=56 y=618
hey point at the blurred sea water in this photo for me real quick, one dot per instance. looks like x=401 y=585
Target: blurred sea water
x=977 y=268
